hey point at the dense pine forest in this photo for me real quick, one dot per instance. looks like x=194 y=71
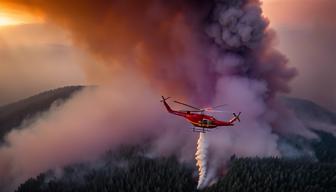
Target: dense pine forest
x=280 y=175
x=130 y=170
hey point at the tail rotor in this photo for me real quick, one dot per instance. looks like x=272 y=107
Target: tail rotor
x=164 y=99
x=237 y=116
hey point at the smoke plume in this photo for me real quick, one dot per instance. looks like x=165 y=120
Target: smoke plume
x=205 y=52
x=85 y=127
x=162 y=39
x=180 y=46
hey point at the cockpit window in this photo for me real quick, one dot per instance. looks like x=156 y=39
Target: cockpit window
x=206 y=122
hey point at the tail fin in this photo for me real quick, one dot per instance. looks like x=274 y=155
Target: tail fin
x=166 y=105
x=179 y=113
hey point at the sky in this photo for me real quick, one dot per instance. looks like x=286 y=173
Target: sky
x=37 y=54
x=307 y=35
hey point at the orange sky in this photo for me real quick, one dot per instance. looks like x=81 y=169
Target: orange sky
x=10 y=15
x=305 y=30
x=35 y=56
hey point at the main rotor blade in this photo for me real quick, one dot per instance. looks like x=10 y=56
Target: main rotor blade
x=218 y=106
x=213 y=108
x=190 y=111
x=216 y=111
x=188 y=105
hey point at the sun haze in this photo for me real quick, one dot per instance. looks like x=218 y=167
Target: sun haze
x=10 y=16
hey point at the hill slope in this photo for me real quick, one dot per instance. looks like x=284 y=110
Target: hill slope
x=12 y=115
x=307 y=110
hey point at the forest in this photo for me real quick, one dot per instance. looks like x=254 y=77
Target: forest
x=130 y=170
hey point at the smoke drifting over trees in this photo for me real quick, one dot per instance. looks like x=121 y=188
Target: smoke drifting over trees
x=207 y=52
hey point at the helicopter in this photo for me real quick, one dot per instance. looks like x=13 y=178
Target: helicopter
x=201 y=122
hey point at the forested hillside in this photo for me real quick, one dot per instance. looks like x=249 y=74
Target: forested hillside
x=278 y=175
x=12 y=115
x=129 y=170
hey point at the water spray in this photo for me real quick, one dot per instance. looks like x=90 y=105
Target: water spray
x=201 y=159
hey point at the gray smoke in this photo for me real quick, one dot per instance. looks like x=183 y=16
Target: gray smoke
x=251 y=73
x=237 y=28
x=220 y=52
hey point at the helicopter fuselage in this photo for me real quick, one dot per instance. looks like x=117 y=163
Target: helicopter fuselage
x=205 y=121
x=199 y=119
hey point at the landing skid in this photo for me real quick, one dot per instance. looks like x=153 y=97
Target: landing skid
x=200 y=130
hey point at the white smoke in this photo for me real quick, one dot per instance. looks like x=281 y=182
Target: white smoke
x=92 y=122
x=201 y=159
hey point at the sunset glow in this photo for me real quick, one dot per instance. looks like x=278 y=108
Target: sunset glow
x=6 y=20
x=10 y=17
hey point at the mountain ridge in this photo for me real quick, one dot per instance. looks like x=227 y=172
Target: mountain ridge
x=13 y=114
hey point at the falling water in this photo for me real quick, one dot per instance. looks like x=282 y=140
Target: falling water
x=201 y=158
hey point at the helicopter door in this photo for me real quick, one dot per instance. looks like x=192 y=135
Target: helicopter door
x=206 y=122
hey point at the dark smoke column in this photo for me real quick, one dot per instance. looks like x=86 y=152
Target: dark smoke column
x=249 y=75
x=243 y=43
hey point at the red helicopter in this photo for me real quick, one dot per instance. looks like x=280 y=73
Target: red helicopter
x=198 y=119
